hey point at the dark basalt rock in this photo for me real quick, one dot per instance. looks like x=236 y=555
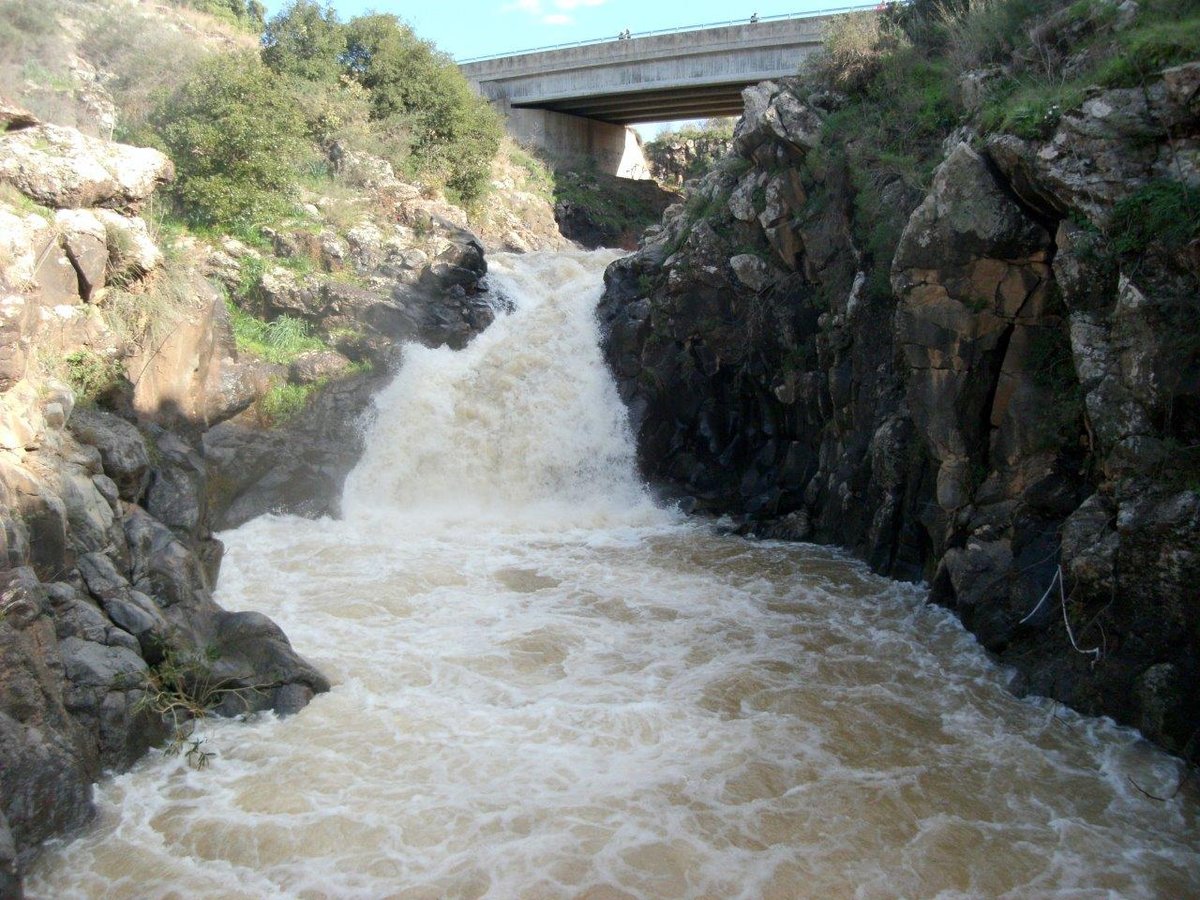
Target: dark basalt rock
x=102 y=593
x=1014 y=406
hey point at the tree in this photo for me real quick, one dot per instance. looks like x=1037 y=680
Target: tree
x=455 y=134
x=236 y=138
x=305 y=40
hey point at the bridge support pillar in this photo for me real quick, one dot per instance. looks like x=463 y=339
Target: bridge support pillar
x=568 y=140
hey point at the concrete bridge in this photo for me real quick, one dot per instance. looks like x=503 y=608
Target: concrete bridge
x=576 y=101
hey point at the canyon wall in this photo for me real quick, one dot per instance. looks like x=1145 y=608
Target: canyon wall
x=1005 y=406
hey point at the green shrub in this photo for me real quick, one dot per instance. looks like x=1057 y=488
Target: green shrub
x=91 y=375
x=539 y=179
x=855 y=46
x=279 y=341
x=341 y=110
x=1165 y=33
x=1164 y=213
x=454 y=133
x=246 y=14
x=305 y=40
x=978 y=33
x=237 y=140
x=1147 y=50
x=1032 y=109
x=147 y=317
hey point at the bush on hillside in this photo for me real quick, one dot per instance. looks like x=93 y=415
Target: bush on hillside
x=237 y=139
x=130 y=46
x=336 y=110
x=855 y=46
x=305 y=40
x=424 y=117
x=455 y=134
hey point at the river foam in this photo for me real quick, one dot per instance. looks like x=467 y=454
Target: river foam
x=546 y=686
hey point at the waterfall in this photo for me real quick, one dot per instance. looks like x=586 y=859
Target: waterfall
x=522 y=425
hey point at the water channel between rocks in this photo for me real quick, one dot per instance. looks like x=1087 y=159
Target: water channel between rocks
x=547 y=686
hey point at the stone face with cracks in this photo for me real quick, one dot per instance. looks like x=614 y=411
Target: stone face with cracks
x=62 y=168
x=1020 y=400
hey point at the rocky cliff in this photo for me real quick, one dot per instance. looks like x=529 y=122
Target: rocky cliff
x=132 y=423
x=109 y=637
x=1004 y=403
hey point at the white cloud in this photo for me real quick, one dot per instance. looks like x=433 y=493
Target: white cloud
x=537 y=9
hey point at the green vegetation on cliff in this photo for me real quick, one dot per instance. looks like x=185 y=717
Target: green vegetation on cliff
x=411 y=87
x=247 y=14
x=679 y=154
x=237 y=141
x=897 y=79
x=247 y=128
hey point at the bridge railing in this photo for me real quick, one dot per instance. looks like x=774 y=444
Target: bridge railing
x=812 y=14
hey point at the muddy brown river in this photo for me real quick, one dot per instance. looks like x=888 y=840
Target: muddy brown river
x=547 y=686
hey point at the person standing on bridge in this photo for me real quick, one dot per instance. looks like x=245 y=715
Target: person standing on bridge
x=753 y=18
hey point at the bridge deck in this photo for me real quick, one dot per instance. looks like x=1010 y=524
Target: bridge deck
x=680 y=75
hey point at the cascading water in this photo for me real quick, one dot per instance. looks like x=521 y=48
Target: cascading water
x=547 y=687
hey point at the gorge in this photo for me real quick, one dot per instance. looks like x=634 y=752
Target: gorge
x=545 y=684
x=363 y=535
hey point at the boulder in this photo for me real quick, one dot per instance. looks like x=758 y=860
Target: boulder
x=132 y=253
x=62 y=168
x=122 y=449
x=23 y=238
x=85 y=240
x=14 y=118
x=255 y=658
x=752 y=271
x=177 y=493
x=773 y=114
x=317 y=365
x=461 y=263
x=162 y=567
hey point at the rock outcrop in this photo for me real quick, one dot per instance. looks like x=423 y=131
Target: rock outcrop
x=1006 y=408
x=598 y=210
x=110 y=640
x=675 y=159
x=62 y=168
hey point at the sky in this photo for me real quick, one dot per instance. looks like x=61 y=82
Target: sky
x=469 y=28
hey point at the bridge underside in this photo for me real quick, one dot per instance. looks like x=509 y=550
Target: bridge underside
x=576 y=102
x=635 y=107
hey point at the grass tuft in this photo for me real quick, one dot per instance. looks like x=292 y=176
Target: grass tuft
x=279 y=341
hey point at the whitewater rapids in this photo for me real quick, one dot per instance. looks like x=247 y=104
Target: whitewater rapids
x=547 y=686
